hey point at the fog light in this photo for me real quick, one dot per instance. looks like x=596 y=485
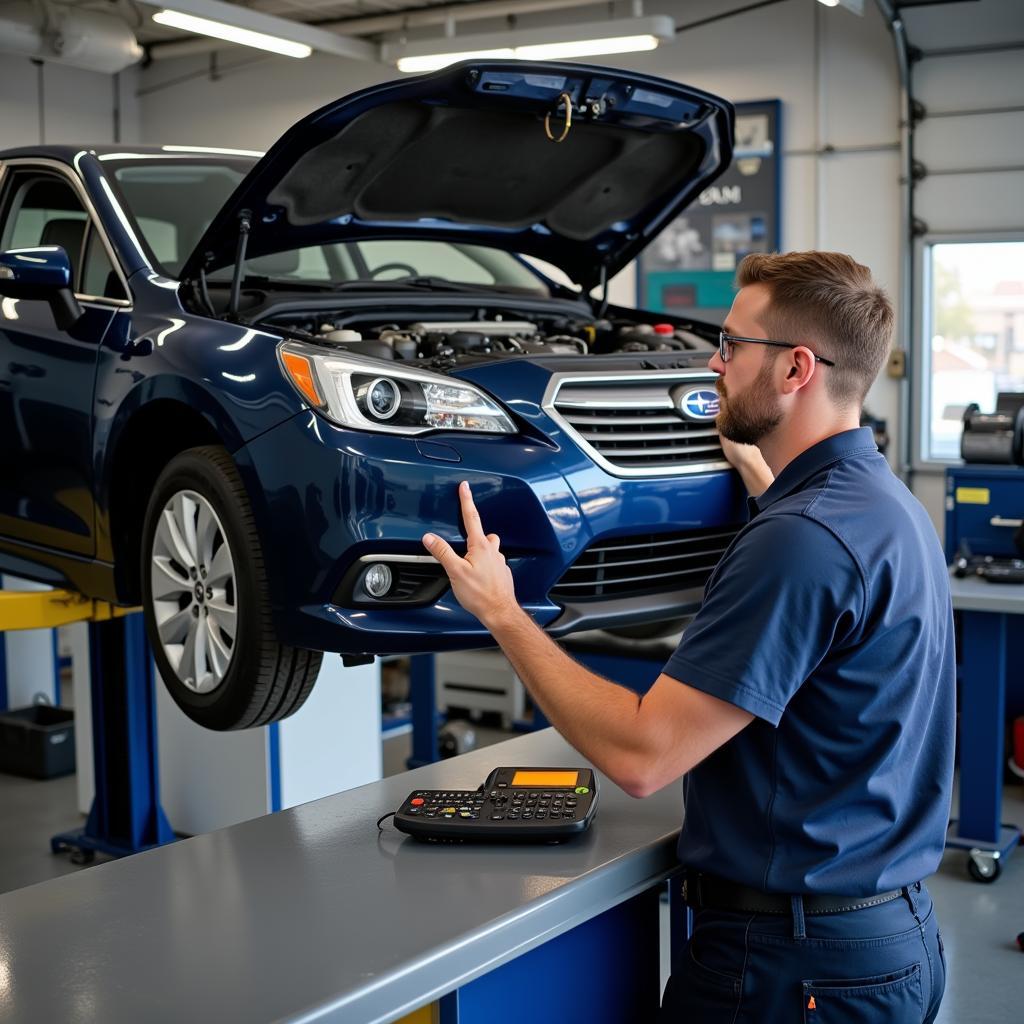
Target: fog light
x=383 y=398
x=377 y=580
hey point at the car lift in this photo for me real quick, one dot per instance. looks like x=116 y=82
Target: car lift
x=126 y=816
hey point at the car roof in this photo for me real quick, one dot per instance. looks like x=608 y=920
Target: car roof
x=67 y=153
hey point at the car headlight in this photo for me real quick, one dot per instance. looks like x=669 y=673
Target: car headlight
x=353 y=392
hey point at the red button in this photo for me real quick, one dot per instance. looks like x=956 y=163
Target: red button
x=664 y=329
x=417 y=801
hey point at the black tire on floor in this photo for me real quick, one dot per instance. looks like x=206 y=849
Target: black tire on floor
x=266 y=680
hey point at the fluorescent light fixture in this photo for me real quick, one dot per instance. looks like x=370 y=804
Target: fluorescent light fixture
x=856 y=6
x=622 y=35
x=236 y=24
x=219 y=150
x=231 y=33
x=436 y=61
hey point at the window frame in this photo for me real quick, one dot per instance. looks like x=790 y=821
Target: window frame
x=46 y=166
x=921 y=352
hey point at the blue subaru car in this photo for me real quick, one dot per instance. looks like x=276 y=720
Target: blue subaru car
x=236 y=389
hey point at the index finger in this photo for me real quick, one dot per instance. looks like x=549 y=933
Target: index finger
x=470 y=516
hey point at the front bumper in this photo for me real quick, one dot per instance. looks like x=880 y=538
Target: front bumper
x=325 y=497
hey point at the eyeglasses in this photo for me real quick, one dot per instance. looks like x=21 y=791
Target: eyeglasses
x=726 y=341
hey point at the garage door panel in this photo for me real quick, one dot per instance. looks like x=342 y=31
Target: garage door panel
x=970 y=82
x=965 y=24
x=971 y=140
x=971 y=202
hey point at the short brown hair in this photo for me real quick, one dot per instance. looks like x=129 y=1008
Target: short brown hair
x=831 y=301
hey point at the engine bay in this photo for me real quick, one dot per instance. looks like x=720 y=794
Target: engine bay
x=489 y=335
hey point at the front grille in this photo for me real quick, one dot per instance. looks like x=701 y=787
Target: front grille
x=631 y=425
x=647 y=564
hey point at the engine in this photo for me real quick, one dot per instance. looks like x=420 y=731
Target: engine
x=448 y=341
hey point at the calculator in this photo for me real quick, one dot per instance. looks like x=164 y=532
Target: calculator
x=534 y=805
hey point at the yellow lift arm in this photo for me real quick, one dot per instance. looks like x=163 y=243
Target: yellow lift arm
x=44 y=609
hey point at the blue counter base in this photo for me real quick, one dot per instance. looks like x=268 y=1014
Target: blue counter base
x=1009 y=837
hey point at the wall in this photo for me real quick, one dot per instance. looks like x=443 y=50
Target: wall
x=56 y=103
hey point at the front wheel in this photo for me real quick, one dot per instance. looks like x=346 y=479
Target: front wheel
x=206 y=600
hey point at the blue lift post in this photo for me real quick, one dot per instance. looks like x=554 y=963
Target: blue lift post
x=425 y=719
x=126 y=816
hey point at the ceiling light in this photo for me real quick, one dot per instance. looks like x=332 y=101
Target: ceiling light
x=236 y=24
x=231 y=33
x=856 y=6
x=623 y=35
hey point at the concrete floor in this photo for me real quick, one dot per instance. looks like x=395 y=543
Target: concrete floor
x=979 y=922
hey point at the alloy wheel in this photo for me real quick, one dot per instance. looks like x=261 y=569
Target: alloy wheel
x=194 y=593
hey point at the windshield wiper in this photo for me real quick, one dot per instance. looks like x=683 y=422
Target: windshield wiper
x=428 y=283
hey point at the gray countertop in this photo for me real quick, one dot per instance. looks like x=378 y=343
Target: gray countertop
x=307 y=915
x=972 y=594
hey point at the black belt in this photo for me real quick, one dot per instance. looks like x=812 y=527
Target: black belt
x=709 y=892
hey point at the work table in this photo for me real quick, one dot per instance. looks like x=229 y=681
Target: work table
x=310 y=915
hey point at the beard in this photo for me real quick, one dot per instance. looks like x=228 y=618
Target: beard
x=747 y=417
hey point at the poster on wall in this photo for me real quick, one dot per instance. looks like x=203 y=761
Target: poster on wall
x=689 y=270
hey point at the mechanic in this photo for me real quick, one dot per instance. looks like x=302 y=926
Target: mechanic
x=810 y=703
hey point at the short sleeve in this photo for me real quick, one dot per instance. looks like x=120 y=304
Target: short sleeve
x=783 y=595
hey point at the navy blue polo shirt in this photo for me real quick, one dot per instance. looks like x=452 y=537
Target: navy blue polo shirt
x=828 y=619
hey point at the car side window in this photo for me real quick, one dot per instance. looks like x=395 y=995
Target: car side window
x=98 y=274
x=45 y=210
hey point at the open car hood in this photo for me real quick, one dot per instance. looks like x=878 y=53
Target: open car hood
x=464 y=154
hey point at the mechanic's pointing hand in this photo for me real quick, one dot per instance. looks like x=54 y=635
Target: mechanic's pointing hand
x=482 y=581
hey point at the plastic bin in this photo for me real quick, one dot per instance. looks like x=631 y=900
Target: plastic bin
x=37 y=741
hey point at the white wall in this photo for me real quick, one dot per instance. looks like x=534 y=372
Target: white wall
x=76 y=106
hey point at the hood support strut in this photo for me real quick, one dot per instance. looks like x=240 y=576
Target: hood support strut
x=244 y=227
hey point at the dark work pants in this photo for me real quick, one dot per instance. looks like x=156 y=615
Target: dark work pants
x=866 y=966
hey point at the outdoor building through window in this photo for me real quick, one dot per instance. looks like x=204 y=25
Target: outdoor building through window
x=975 y=326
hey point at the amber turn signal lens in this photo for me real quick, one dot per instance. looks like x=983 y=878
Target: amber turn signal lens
x=301 y=372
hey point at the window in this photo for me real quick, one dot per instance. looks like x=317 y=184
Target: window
x=45 y=210
x=975 y=334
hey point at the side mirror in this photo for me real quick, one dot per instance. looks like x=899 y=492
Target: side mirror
x=43 y=273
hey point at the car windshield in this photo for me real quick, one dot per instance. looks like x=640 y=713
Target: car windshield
x=173 y=200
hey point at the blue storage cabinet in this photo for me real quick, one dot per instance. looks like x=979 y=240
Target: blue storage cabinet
x=984 y=506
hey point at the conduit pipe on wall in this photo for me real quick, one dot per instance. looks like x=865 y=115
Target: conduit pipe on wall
x=83 y=39
x=906 y=255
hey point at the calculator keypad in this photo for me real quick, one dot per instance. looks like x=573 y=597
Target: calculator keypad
x=521 y=809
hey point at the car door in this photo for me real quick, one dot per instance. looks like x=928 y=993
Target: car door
x=47 y=376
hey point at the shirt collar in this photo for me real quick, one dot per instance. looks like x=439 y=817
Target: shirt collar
x=817 y=457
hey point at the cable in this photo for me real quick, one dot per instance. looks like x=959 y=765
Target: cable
x=384 y=817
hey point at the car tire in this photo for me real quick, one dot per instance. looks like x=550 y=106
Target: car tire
x=199 y=511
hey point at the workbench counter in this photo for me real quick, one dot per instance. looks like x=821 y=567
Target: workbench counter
x=973 y=594
x=307 y=915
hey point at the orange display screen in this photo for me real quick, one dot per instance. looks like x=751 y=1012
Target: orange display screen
x=546 y=780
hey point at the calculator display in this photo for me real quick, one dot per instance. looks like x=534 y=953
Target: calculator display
x=546 y=780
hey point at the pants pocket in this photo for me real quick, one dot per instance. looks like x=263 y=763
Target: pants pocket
x=895 y=998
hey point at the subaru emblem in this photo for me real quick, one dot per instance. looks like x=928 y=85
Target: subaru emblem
x=698 y=404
